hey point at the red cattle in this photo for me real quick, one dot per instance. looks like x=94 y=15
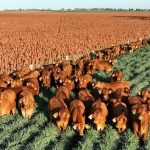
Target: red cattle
x=99 y=112
x=77 y=111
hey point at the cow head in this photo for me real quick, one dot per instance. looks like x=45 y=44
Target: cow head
x=62 y=118
x=79 y=127
x=105 y=93
x=145 y=94
x=121 y=122
x=98 y=119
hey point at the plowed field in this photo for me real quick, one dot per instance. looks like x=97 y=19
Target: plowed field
x=42 y=37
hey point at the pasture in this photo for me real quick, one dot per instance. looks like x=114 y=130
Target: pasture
x=39 y=133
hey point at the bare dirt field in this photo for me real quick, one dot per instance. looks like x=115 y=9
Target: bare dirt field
x=42 y=37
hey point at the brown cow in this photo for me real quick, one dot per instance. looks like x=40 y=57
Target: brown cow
x=77 y=111
x=32 y=85
x=99 y=112
x=7 y=102
x=4 y=78
x=132 y=100
x=122 y=93
x=140 y=121
x=26 y=103
x=33 y=74
x=101 y=65
x=113 y=85
x=145 y=94
x=59 y=111
x=120 y=115
x=45 y=78
x=116 y=76
x=24 y=71
x=84 y=81
x=66 y=67
x=105 y=93
x=85 y=96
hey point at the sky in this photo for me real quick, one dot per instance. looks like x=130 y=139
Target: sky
x=58 y=4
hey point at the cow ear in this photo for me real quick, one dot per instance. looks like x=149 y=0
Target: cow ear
x=114 y=120
x=110 y=91
x=55 y=115
x=87 y=126
x=113 y=75
x=90 y=116
x=100 y=91
x=133 y=112
x=40 y=78
x=75 y=126
x=139 y=93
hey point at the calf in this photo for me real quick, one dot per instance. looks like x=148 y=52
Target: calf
x=59 y=111
x=116 y=76
x=99 y=112
x=26 y=103
x=77 y=111
x=140 y=121
x=7 y=102
x=120 y=115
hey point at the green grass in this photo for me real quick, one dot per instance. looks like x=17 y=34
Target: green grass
x=39 y=133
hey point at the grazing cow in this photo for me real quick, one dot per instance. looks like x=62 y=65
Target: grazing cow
x=32 y=85
x=145 y=94
x=101 y=65
x=84 y=81
x=116 y=76
x=24 y=71
x=140 y=121
x=77 y=111
x=99 y=112
x=7 y=102
x=26 y=103
x=120 y=115
x=59 y=111
x=33 y=74
x=113 y=85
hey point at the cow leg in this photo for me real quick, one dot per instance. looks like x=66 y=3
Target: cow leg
x=58 y=125
x=8 y=112
x=13 y=110
x=135 y=128
x=145 y=136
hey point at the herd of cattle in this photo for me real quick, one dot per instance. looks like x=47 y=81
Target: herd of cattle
x=97 y=102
